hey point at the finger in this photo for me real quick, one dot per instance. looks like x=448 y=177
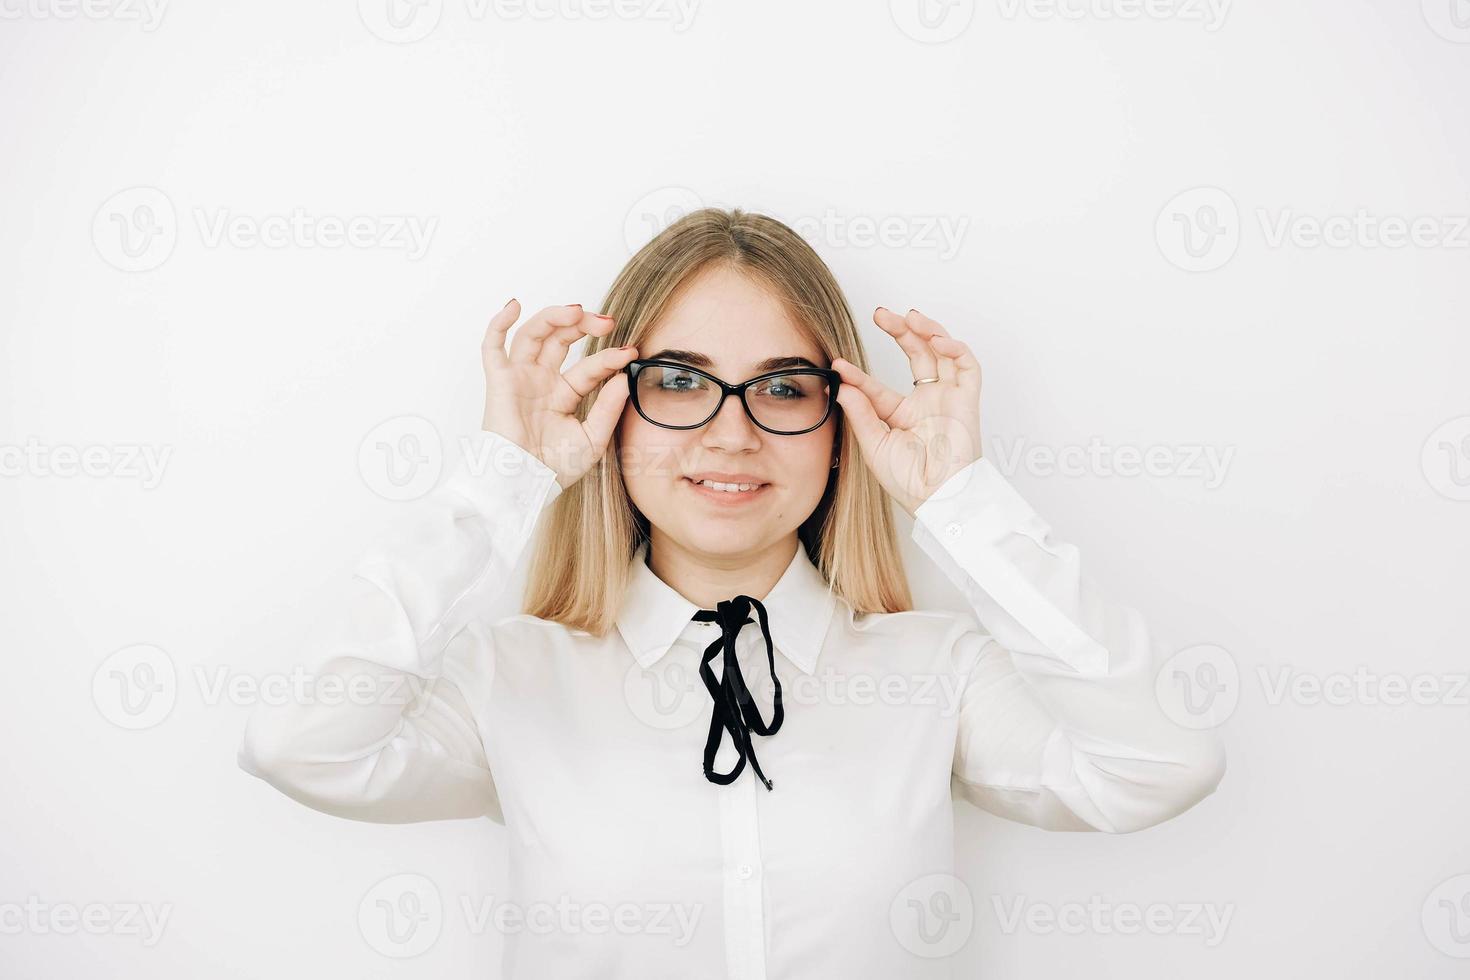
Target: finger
x=882 y=399
x=493 y=346
x=583 y=377
x=526 y=344
x=931 y=331
x=866 y=426
x=966 y=367
x=554 y=348
x=606 y=409
x=924 y=324
x=922 y=360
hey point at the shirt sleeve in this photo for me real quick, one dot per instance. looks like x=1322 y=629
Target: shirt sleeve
x=1061 y=725
x=385 y=731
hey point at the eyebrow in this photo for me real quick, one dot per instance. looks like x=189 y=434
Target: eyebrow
x=703 y=360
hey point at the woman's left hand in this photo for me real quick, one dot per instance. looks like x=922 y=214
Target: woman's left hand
x=915 y=442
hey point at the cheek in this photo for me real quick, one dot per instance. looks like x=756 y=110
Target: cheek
x=648 y=458
x=807 y=463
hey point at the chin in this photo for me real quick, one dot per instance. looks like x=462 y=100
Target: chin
x=715 y=542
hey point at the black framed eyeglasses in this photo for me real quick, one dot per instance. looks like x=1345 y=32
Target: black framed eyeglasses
x=784 y=403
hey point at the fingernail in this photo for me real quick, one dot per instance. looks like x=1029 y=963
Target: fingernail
x=575 y=305
x=508 y=302
x=601 y=317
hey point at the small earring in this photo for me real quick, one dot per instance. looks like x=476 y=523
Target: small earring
x=834 y=463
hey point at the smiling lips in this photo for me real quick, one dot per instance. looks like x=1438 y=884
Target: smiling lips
x=735 y=488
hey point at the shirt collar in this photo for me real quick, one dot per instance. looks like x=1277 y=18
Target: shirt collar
x=799 y=608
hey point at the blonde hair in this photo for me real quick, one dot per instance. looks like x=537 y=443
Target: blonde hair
x=590 y=532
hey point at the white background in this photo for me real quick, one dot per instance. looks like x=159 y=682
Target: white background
x=1054 y=143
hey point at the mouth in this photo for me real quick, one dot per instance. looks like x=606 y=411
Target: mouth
x=726 y=493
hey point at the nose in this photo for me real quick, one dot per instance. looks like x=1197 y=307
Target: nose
x=731 y=430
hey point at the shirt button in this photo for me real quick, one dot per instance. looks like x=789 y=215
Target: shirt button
x=953 y=529
x=743 y=872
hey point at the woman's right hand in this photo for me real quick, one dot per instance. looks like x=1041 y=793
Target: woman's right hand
x=528 y=399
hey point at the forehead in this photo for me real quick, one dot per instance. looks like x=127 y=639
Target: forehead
x=731 y=320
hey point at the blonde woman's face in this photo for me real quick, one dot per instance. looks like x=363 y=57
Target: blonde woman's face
x=727 y=326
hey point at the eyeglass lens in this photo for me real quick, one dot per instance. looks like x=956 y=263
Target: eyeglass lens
x=784 y=403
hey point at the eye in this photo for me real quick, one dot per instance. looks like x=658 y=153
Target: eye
x=681 y=381
x=782 y=389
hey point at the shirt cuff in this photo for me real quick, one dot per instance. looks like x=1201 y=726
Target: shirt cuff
x=979 y=503
x=961 y=527
x=498 y=477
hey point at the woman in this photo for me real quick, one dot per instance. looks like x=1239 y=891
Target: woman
x=718 y=588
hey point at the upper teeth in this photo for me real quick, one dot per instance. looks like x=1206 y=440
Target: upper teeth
x=730 y=487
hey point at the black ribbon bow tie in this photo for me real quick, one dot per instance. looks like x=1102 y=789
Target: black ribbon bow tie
x=735 y=710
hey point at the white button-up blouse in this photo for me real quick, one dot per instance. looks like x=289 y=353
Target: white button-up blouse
x=624 y=860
